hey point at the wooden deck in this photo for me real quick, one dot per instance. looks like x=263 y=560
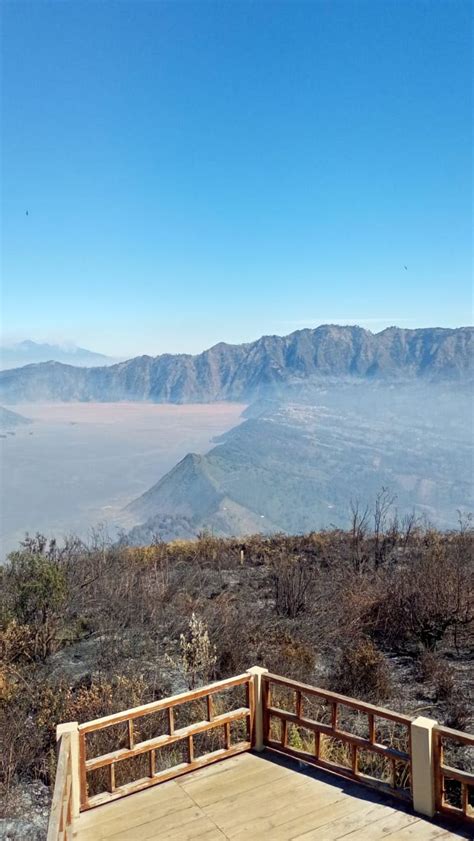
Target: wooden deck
x=257 y=797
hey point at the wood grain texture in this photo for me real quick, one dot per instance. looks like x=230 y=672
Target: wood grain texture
x=256 y=797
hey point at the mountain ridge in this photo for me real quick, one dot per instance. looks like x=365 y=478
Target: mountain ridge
x=253 y=369
x=28 y=352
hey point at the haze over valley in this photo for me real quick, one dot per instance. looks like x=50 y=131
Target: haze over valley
x=77 y=465
x=326 y=417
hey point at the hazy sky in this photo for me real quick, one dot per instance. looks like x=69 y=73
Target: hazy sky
x=197 y=171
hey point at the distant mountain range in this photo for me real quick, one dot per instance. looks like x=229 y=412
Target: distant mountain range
x=296 y=467
x=245 y=372
x=28 y=352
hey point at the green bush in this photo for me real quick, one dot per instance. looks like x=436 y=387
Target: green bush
x=35 y=595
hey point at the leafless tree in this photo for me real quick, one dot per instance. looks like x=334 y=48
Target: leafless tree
x=385 y=534
x=359 y=528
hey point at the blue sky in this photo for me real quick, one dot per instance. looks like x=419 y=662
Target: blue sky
x=198 y=171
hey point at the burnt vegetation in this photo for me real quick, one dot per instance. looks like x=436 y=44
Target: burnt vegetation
x=383 y=612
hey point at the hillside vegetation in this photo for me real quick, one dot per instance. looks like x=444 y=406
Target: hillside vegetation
x=382 y=611
x=294 y=466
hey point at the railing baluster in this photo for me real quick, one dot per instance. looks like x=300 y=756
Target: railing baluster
x=267 y=700
x=299 y=704
x=268 y=693
x=371 y=722
x=465 y=798
x=334 y=715
x=438 y=780
x=210 y=710
x=440 y=773
x=171 y=721
x=394 y=773
x=82 y=770
x=227 y=735
x=317 y=743
x=152 y=763
x=111 y=777
x=131 y=735
x=284 y=734
x=250 y=701
x=354 y=760
x=190 y=749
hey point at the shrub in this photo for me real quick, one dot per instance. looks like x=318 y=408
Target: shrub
x=458 y=710
x=362 y=672
x=197 y=658
x=293 y=578
x=428 y=596
x=36 y=593
x=286 y=655
x=437 y=672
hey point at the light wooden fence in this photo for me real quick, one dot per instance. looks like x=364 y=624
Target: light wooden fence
x=61 y=816
x=454 y=787
x=173 y=735
x=329 y=744
x=365 y=743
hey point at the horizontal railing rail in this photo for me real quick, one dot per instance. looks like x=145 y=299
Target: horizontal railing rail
x=61 y=815
x=454 y=787
x=331 y=745
x=213 y=721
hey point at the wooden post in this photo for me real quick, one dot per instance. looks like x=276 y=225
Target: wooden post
x=422 y=766
x=257 y=672
x=71 y=729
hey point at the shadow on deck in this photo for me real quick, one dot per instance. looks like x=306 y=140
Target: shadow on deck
x=258 y=797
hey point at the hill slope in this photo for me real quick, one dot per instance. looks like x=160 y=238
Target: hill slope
x=10 y=420
x=297 y=467
x=265 y=367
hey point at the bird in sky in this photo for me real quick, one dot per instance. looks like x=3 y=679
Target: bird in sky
x=406 y=268
x=27 y=213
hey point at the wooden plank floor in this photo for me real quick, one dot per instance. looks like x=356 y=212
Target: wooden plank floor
x=257 y=797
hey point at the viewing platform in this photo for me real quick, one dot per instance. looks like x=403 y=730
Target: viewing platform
x=259 y=756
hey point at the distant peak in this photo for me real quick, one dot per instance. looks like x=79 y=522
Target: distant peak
x=192 y=458
x=29 y=352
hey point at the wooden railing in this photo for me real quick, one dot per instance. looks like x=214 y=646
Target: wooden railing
x=454 y=788
x=149 y=748
x=61 y=816
x=119 y=754
x=330 y=744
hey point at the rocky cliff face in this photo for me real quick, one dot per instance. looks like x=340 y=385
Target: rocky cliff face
x=257 y=369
